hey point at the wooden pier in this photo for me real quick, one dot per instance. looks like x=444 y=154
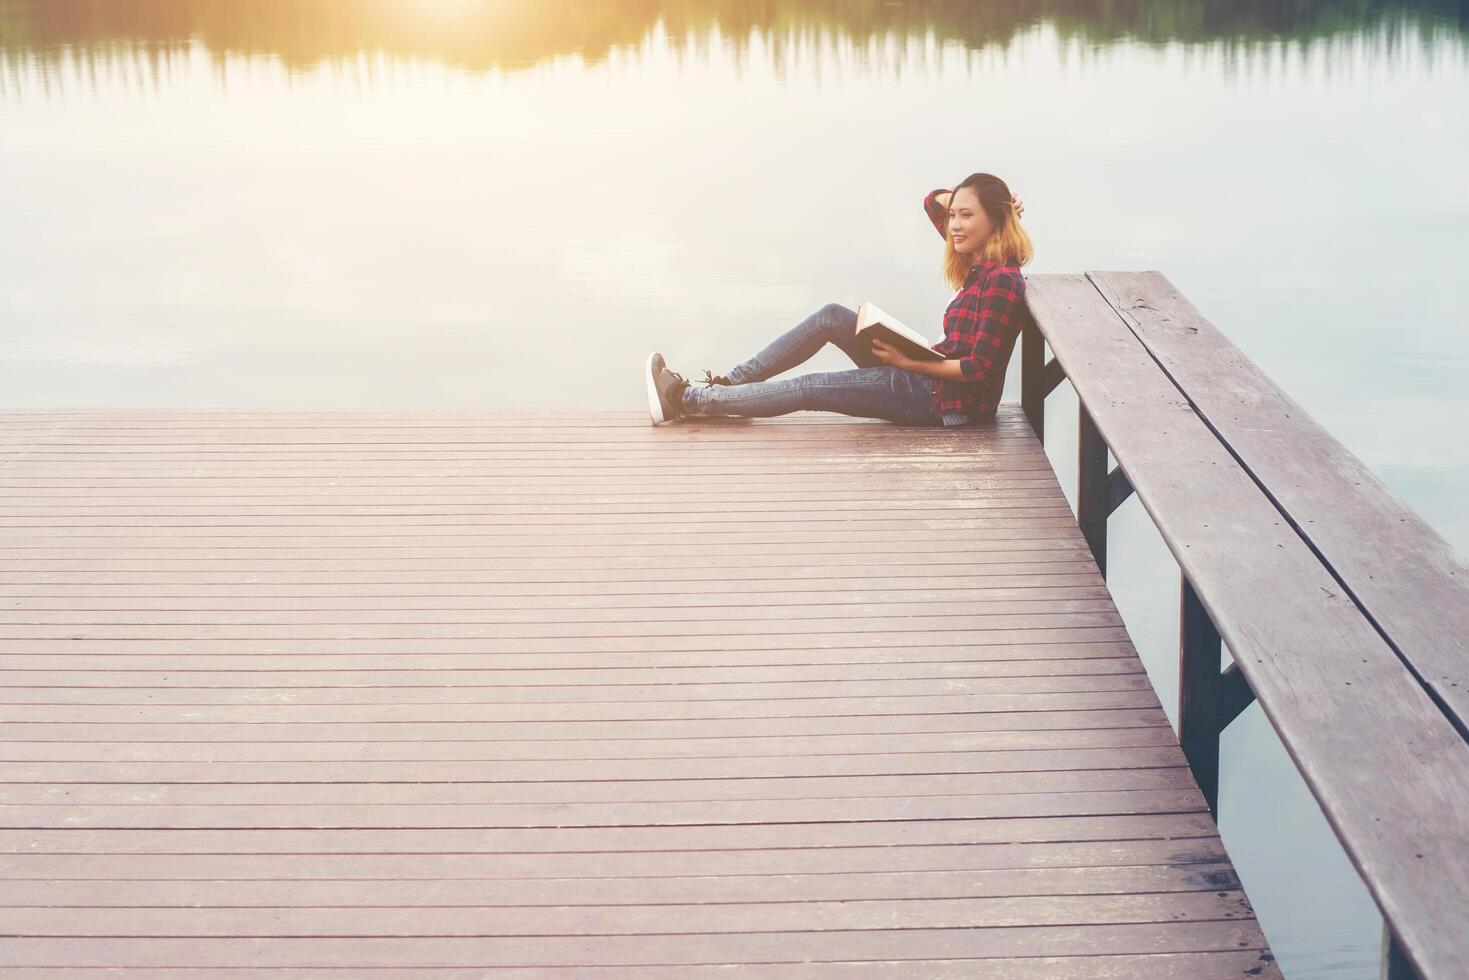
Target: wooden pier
x=571 y=694
x=438 y=694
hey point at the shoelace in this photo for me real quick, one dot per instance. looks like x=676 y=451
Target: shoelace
x=711 y=379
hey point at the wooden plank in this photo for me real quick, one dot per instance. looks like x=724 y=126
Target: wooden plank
x=63 y=672
x=571 y=569
x=507 y=490
x=774 y=548
x=778 y=438
x=309 y=676
x=372 y=534
x=189 y=597
x=731 y=644
x=1406 y=577
x=104 y=503
x=640 y=889
x=1074 y=569
x=1245 y=963
x=297 y=680
x=329 y=436
x=433 y=433
x=266 y=816
x=1315 y=663
x=984 y=654
x=450 y=797
x=594 y=629
x=329 y=444
x=539 y=418
x=732 y=918
x=217 y=772
x=980 y=745
x=1190 y=831
x=481 y=951
x=549 y=419
x=1179 y=851
x=896 y=723
x=516 y=711
x=535 y=651
x=854 y=612
x=1018 y=570
x=208 y=523
x=445 y=690
x=649 y=510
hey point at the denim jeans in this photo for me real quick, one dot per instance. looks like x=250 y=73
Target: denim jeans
x=871 y=390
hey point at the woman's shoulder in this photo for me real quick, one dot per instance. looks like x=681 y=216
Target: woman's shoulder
x=991 y=275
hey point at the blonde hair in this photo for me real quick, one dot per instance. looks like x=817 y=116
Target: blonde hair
x=1007 y=244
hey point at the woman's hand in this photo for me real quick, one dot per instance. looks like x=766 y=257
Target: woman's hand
x=890 y=355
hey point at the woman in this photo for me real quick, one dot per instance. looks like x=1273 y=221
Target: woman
x=984 y=249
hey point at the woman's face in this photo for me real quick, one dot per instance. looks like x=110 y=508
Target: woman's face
x=969 y=226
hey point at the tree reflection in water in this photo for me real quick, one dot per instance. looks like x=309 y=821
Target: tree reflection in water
x=510 y=34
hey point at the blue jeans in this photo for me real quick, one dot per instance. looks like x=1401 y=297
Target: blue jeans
x=871 y=390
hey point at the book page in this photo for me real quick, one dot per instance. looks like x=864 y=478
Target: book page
x=869 y=314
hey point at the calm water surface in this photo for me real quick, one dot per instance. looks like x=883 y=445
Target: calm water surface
x=448 y=204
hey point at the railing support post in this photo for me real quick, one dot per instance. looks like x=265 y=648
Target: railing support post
x=1199 y=648
x=1395 y=965
x=1032 y=380
x=1092 y=492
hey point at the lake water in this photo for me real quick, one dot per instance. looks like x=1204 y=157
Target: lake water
x=290 y=204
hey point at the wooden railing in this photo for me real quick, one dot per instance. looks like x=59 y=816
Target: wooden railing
x=1345 y=614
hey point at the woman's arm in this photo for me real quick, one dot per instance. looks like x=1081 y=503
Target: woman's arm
x=948 y=369
x=980 y=323
x=936 y=206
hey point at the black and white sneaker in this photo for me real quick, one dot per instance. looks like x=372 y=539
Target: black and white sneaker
x=665 y=390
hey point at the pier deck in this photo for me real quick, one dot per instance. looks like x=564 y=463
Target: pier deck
x=419 y=694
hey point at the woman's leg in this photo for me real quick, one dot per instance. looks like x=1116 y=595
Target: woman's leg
x=884 y=392
x=832 y=324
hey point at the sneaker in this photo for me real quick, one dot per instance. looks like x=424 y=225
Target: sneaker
x=710 y=380
x=665 y=390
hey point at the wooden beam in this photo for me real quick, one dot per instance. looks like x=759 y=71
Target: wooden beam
x=1234 y=695
x=1032 y=383
x=1199 y=650
x=1119 y=488
x=1093 y=490
x=1052 y=375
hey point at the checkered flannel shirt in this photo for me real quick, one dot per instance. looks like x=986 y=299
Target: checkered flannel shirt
x=980 y=327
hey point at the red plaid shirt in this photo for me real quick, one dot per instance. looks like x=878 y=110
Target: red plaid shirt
x=980 y=327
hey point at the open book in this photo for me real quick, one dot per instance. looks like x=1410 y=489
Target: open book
x=872 y=322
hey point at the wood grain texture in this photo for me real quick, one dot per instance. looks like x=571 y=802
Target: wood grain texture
x=1396 y=789
x=378 y=695
x=1398 y=568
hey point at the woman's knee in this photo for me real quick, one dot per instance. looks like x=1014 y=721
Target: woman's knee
x=839 y=313
x=838 y=322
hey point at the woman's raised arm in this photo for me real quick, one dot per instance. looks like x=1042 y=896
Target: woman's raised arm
x=936 y=206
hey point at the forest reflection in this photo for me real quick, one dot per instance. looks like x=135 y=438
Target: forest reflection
x=481 y=35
